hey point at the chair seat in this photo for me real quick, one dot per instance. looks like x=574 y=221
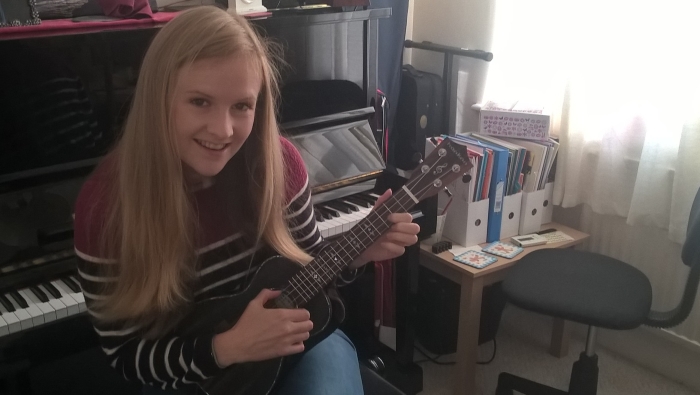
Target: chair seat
x=584 y=287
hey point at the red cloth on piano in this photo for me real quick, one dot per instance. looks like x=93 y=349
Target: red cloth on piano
x=126 y=8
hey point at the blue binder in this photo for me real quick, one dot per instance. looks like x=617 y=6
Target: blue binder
x=498 y=185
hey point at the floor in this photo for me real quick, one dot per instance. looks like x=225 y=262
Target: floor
x=523 y=340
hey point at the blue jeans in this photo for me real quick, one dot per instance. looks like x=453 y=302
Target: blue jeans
x=330 y=368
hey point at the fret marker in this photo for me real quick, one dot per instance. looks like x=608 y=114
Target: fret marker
x=410 y=194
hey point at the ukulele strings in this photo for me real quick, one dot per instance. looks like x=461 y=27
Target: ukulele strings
x=304 y=277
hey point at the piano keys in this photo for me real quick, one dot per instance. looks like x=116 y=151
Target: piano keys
x=40 y=304
x=338 y=216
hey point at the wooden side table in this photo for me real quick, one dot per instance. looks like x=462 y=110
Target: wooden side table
x=472 y=282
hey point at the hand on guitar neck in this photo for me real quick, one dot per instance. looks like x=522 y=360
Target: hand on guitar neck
x=263 y=333
x=393 y=243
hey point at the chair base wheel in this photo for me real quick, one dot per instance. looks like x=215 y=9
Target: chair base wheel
x=584 y=381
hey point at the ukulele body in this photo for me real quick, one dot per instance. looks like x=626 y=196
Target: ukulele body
x=221 y=313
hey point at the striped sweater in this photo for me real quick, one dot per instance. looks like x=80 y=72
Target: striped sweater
x=225 y=257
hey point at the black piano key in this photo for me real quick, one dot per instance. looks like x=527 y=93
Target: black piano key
x=339 y=207
x=319 y=217
x=327 y=214
x=52 y=290
x=352 y=207
x=365 y=198
x=358 y=201
x=335 y=213
x=19 y=299
x=71 y=284
x=39 y=293
x=355 y=204
x=373 y=199
x=6 y=303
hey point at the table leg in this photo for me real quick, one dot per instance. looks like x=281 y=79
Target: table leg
x=561 y=332
x=464 y=371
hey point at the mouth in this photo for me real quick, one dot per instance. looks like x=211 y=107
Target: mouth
x=211 y=146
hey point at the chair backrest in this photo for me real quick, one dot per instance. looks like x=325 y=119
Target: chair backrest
x=691 y=257
x=691 y=247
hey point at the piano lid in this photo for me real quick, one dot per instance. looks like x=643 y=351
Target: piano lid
x=340 y=155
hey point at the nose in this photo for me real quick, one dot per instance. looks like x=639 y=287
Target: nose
x=221 y=125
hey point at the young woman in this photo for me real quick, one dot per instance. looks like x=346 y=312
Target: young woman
x=198 y=192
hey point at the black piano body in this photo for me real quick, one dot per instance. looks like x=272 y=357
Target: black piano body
x=83 y=81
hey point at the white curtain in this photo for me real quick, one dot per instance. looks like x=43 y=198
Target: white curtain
x=622 y=81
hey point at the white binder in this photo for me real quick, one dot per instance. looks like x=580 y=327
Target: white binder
x=510 y=220
x=547 y=204
x=531 y=212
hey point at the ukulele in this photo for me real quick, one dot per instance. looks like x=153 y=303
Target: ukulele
x=303 y=286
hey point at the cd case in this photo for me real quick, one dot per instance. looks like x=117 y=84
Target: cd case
x=502 y=249
x=475 y=259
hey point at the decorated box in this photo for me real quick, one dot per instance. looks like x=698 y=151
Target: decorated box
x=514 y=119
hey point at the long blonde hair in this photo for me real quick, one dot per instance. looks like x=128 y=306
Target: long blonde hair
x=151 y=224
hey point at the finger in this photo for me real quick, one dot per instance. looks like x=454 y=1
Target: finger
x=295 y=348
x=300 y=327
x=400 y=218
x=295 y=315
x=405 y=227
x=385 y=196
x=296 y=328
x=265 y=295
x=402 y=239
x=393 y=249
x=299 y=337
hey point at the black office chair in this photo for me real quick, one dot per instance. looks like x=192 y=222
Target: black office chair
x=595 y=290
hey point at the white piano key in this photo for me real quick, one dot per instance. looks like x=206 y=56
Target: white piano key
x=44 y=311
x=25 y=319
x=342 y=220
x=339 y=227
x=333 y=226
x=323 y=228
x=58 y=306
x=4 y=327
x=13 y=324
x=361 y=209
x=354 y=218
x=66 y=299
x=78 y=297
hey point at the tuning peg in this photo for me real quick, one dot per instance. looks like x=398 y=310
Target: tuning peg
x=466 y=178
x=447 y=192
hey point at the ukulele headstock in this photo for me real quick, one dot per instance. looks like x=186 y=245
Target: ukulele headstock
x=448 y=161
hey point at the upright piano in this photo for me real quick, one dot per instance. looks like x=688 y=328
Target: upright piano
x=64 y=97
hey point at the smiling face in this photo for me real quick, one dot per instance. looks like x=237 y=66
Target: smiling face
x=213 y=113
